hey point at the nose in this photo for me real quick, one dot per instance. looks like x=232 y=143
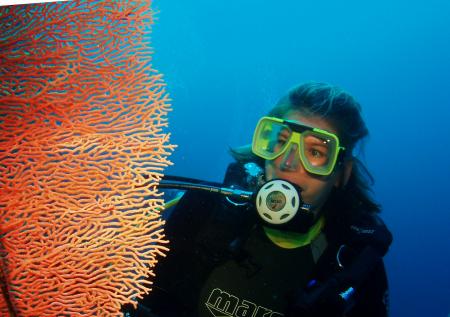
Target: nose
x=291 y=158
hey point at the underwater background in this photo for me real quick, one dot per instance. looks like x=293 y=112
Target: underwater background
x=227 y=62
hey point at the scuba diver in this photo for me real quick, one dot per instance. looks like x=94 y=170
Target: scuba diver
x=292 y=230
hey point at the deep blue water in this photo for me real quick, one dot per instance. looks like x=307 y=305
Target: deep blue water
x=227 y=62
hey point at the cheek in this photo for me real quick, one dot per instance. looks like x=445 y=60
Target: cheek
x=269 y=170
x=321 y=190
x=272 y=169
x=318 y=192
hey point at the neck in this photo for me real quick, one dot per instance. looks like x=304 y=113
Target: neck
x=292 y=240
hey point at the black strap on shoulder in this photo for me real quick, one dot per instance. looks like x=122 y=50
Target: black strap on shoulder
x=339 y=284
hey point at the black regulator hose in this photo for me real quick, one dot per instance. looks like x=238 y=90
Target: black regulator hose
x=193 y=184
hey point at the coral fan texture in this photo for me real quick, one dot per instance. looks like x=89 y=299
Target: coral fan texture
x=83 y=118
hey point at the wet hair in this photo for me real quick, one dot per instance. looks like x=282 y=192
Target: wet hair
x=343 y=112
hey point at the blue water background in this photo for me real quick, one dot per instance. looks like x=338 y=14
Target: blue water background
x=227 y=62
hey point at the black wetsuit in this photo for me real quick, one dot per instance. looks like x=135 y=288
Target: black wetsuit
x=221 y=263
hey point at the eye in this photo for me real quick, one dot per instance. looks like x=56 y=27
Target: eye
x=281 y=139
x=316 y=153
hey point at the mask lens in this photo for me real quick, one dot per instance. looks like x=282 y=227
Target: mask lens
x=318 y=152
x=271 y=139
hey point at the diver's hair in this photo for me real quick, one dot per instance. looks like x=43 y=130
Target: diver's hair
x=343 y=112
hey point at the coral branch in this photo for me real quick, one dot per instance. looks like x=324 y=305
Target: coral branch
x=83 y=119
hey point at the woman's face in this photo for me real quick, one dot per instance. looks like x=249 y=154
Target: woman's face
x=315 y=188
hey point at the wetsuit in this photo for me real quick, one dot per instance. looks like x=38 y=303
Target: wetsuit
x=222 y=263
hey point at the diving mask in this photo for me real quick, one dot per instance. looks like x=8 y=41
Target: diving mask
x=319 y=150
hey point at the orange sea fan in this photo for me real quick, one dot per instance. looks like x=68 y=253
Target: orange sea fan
x=82 y=128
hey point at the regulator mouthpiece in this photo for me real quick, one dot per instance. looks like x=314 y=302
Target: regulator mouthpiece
x=278 y=201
